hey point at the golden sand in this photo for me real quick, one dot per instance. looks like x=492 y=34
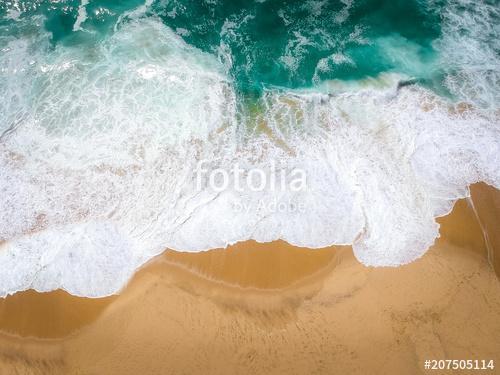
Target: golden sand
x=275 y=309
x=486 y=204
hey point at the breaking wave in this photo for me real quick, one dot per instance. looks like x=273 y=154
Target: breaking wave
x=99 y=146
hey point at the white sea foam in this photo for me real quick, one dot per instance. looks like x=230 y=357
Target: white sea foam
x=82 y=15
x=99 y=148
x=470 y=50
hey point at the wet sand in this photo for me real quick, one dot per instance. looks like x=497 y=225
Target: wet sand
x=275 y=309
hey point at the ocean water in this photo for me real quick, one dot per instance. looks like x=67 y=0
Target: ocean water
x=391 y=108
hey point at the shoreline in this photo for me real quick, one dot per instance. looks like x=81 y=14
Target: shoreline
x=275 y=305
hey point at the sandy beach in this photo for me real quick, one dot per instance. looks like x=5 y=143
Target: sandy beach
x=275 y=309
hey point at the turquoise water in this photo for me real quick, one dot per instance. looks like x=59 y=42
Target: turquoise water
x=294 y=43
x=107 y=108
x=275 y=43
